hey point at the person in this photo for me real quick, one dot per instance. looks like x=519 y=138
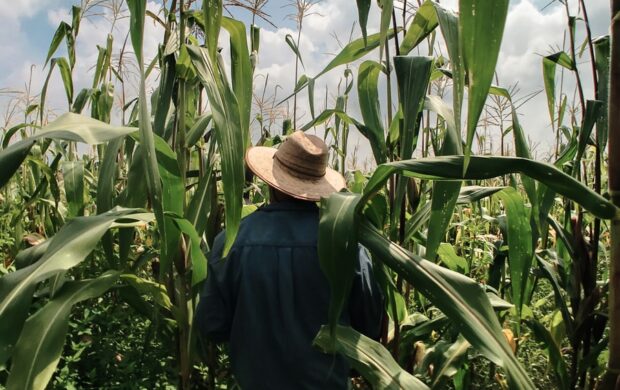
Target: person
x=268 y=298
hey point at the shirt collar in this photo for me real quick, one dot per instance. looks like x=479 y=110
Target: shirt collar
x=291 y=204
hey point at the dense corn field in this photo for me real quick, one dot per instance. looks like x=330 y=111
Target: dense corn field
x=499 y=270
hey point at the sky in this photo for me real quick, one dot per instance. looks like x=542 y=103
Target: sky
x=534 y=28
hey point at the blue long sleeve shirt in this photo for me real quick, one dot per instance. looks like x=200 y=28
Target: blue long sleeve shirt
x=268 y=298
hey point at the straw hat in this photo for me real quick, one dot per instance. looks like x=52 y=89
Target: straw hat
x=297 y=168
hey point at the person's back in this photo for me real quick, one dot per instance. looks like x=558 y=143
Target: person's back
x=272 y=280
x=269 y=297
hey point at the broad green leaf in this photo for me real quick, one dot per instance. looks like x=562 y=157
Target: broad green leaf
x=448 y=256
x=549 y=80
x=601 y=55
x=594 y=109
x=11 y=159
x=73 y=176
x=368 y=96
x=229 y=135
x=520 y=251
x=363 y=10
x=69 y=127
x=450 y=168
x=199 y=208
x=290 y=41
x=449 y=24
x=445 y=194
x=457 y=296
x=338 y=249
x=368 y=357
x=481 y=26
x=105 y=188
x=67 y=248
x=413 y=74
x=387 y=6
x=212 y=13
x=38 y=350
x=423 y=23
x=354 y=51
x=61 y=32
x=241 y=73
x=67 y=78
x=199 y=261
x=198 y=129
x=137 y=10
x=161 y=106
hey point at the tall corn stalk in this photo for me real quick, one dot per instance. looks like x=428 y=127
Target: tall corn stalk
x=612 y=376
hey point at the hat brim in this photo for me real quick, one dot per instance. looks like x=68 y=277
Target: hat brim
x=260 y=160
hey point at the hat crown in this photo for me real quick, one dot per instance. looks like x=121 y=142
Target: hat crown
x=302 y=155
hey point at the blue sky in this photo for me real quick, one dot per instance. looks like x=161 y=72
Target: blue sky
x=29 y=26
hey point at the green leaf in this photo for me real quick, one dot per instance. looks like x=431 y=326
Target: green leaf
x=601 y=55
x=457 y=296
x=413 y=75
x=450 y=168
x=59 y=35
x=445 y=194
x=38 y=350
x=520 y=251
x=363 y=10
x=67 y=78
x=594 y=109
x=137 y=10
x=241 y=74
x=369 y=358
x=69 y=247
x=453 y=261
x=198 y=129
x=229 y=135
x=199 y=261
x=452 y=359
x=387 y=6
x=338 y=250
x=481 y=26
x=69 y=127
x=423 y=23
x=354 y=51
x=449 y=24
x=291 y=43
x=73 y=176
x=368 y=96
x=212 y=11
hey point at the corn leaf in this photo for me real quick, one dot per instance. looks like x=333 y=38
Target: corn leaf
x=368 y=96
x=520 y=250
x=449 y=168
x=369 y=358
x=73 y=175
x=338 y=250
x=363 y=10
x=229 y=135
x=423 y=23
x=241 y=74
x=67 y=248
x=481 y=26
x=457 y=296
x=40 y=345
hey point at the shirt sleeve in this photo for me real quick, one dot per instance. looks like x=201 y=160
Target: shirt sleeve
x=366 y=303
x=213 y=315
